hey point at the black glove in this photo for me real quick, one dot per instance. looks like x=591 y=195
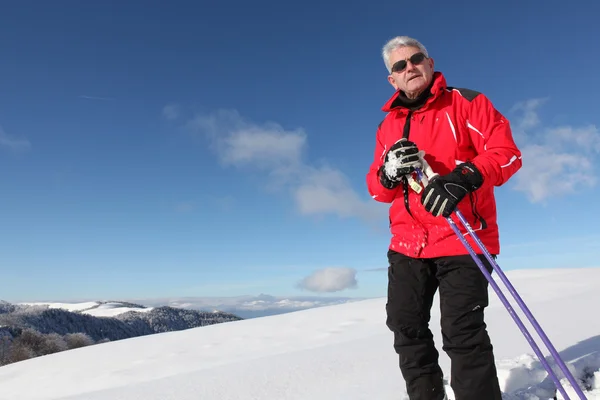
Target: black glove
x=400 y=160
x=442 y=195
x=385 y=181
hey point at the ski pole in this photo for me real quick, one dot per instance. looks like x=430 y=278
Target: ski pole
x=511 y=311
x=426 y=176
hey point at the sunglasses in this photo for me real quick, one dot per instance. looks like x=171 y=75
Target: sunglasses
x=415 y=59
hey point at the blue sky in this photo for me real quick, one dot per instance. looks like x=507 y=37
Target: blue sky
x=194 y=149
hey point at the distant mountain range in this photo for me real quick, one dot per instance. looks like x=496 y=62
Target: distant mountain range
x=29 y=330
x=105 y=320
x=242 y=306
x=249 y=306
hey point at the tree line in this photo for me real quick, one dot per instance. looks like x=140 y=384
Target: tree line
x=30 y=343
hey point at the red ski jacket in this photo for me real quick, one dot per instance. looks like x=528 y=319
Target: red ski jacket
x=453 y=126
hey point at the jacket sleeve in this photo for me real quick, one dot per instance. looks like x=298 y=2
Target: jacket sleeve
x=498 y=157
x=376 y=190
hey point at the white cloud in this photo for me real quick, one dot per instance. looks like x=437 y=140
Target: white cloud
x=279 y=152
x=557 y=160
x=326 y=190
x=530 y=118
x=13 y=143
x=547 y=172
x=332 y=279
x=242 y=144
x=269 y=146
x=586 y=138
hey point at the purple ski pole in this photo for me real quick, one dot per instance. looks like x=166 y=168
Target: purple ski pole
x=521 y=303
x=429 y=174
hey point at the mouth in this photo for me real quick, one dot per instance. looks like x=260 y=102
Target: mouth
x=413 y=77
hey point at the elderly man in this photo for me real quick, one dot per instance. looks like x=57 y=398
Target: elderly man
x=470 y=145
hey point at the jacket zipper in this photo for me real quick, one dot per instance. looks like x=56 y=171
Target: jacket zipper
x=475 y=212
x=405 y=134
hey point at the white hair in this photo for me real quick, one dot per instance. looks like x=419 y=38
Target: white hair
x=398 y=42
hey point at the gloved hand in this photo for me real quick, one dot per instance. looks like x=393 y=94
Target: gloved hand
x=442 y=195
x=402 y=159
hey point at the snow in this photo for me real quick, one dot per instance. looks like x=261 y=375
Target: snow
x=396 y=161
x=113 y=309
x=393 y=163
x=66 y=306
x=95 y=308
x=333 y=352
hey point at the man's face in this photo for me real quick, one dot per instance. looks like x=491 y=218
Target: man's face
x=415 y=77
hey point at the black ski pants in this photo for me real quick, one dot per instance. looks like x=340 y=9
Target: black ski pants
x=412 y=284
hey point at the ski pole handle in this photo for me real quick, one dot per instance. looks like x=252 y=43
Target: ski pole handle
x=426 y=172
x=427 y=169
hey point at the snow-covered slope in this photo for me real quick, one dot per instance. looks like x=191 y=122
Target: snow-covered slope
x=336 y=352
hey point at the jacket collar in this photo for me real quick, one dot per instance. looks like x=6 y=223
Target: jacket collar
x=438 y=85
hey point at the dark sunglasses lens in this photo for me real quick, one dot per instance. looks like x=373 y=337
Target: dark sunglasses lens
x=399 y=66
x=417 y=58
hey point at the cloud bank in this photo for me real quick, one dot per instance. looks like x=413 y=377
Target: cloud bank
x=557 y=160
x=279 y=153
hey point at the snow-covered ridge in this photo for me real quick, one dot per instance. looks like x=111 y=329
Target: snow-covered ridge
x=242 y=306
x=95 y=308
x=334 y=352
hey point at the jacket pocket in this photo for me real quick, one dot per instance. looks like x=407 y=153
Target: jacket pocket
x=478 y=221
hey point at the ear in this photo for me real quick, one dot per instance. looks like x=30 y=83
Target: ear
x=392 y=82
x=431 y=63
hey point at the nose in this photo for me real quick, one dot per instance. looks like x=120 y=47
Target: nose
x=410 y=66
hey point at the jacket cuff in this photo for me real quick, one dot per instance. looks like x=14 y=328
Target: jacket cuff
x=470 y=175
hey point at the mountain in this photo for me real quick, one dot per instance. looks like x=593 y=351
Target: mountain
x=131 y=319
x=250 y=306
x=32 y=330
x=245 y=307
x=6 y=307
x=333 y=352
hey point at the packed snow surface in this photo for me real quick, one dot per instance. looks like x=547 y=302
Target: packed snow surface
x=336 y=352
